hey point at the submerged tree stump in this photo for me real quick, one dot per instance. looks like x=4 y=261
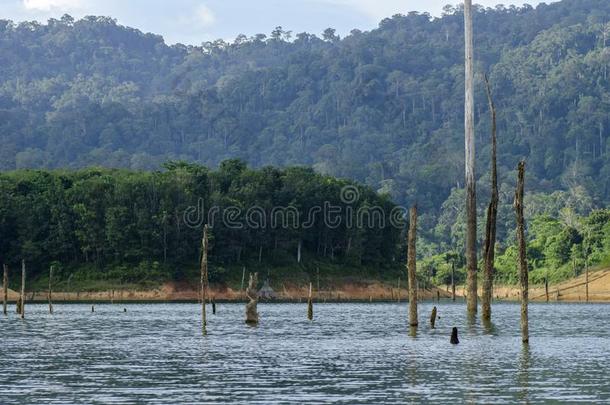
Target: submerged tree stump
x=433 y=318
x=523 y=273
x=213 y=306
x=454 y=336
x=412 y=266
x=309 y=305
x=252 y=294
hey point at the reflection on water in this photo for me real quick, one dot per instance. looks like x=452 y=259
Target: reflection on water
x=350 y=353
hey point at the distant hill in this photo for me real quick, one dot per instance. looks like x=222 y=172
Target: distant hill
x=383 y=107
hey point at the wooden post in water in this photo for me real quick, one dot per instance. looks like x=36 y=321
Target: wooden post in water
x=310 y=304
x=433 y=318
x=22 y=295
x=252 y=294
x=5 y=290
x=50 y=290
x=492 y=213
x=204 y=276
x=523 y=273
x=92 y=308
x=546 y=288
x=213 y=306
x=412 y=266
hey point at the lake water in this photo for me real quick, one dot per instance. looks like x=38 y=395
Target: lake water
x=350 y=353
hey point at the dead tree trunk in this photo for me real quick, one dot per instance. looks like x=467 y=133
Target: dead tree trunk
x=299 y=251
x=471 y=206
x=453 y=280
x=310 y=305
x=50 y=290
x=204 y=277
x=412 y=266
x=252 y=294
x=22 y=295
x=5 y=290
x=546 y=288
x=586 y=278
x=433 y=318
x=523 y=274
x=492 y=213
x=398 y=298
x=243 y=279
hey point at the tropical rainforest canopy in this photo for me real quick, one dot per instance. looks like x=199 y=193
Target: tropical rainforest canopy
x=384 y=108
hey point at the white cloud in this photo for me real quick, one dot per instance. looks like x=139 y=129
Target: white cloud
x=47 y=5
x=205 y=16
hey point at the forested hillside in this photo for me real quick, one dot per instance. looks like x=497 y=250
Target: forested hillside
x=137 y=227
x=383 y=107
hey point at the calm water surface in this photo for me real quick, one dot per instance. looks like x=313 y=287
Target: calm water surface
x=350 y=353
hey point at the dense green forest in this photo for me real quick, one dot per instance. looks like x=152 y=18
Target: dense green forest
x=118 y=227
x=384 y=108
x=146 y=227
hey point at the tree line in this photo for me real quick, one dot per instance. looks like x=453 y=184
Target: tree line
x=135 y=226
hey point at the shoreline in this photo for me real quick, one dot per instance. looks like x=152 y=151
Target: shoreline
x=171 y=292
x=573 y=290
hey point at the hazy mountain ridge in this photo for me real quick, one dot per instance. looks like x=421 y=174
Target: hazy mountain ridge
x=383 y=107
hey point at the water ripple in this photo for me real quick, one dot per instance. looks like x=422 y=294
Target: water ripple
x=350 y=353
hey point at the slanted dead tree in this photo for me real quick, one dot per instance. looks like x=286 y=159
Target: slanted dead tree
x=523 y=273
x=412 y=266
x=204 y=276
x=252 y=294
x=492 y=214
x=471 y=206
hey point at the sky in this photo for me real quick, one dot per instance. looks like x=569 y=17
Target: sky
x=196 y=21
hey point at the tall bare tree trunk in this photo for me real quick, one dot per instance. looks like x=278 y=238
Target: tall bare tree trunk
x=523 y=273
x=22 y=295
x=412 y=266
x=471 y=206
x=5 y=290
x=492 y=213
x=204 y=277
x=50 y=290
